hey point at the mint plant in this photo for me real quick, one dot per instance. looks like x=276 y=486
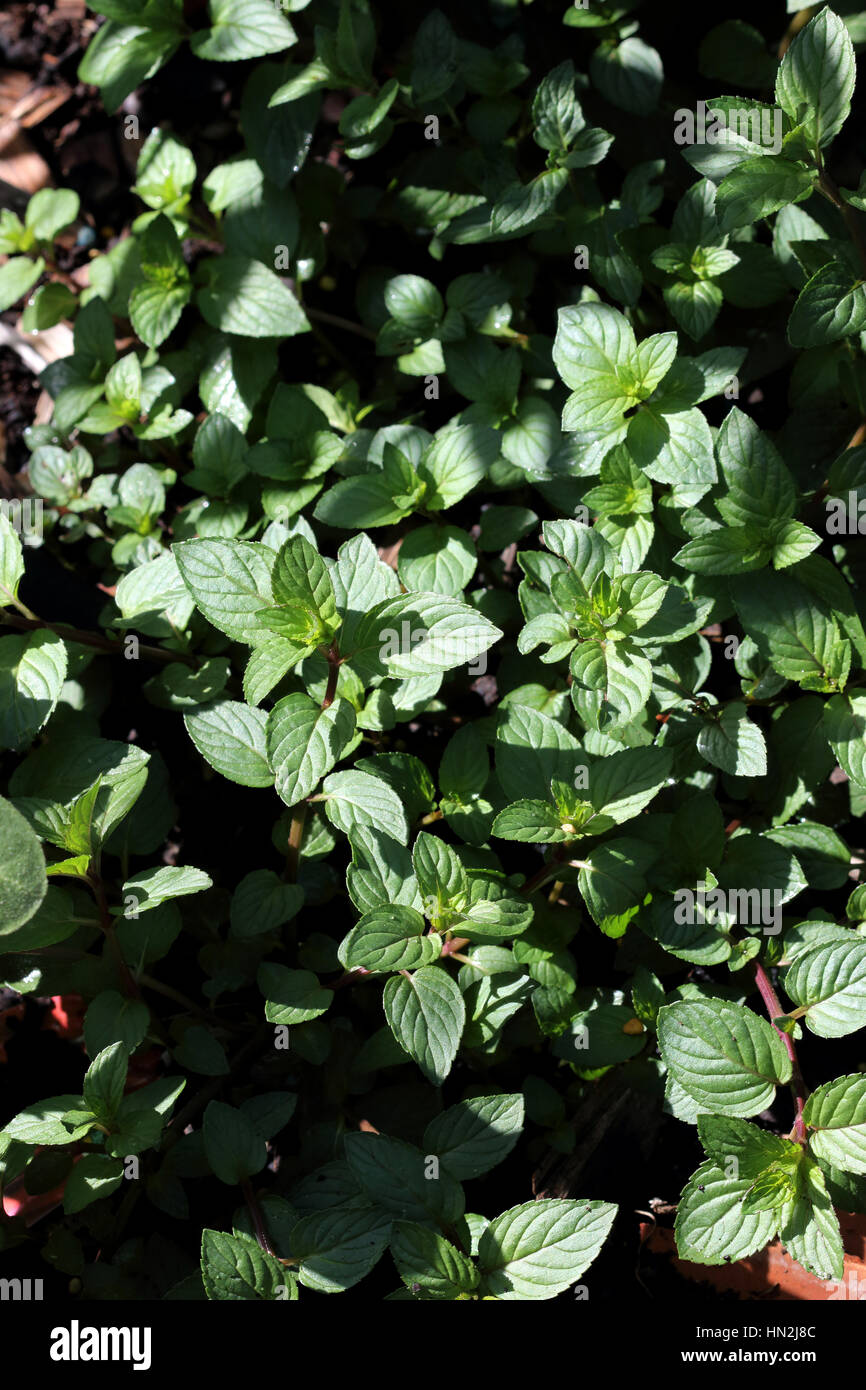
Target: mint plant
x=468 y=702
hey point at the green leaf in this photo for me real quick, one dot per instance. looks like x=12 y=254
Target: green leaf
x=456 y=462
x=828 y=984
x=111 y=1017
x=434 y=58
x=731 y=550
x=293 y=996
x=105 y=1080
x=335 y=1249
x=844 y=720
x=244 y=297
x=790 y=627
x=532 y=822
x=151 y=887
x=611 y=685
x=531 y=750
x=230 y=583
x=415 y=303
x=93 y=1177
x=441 y=877
x=792 y=542
x=380 y=872
x=233 y=1147
x=11 y=561
x=41 y=1123
x=742 y=1147
x=67 y=769
x=556 y=114
x=815 y=80
x=759 y=187
x=122 y=55
x=32 y=672
x=390 y=939
x=23 y=882
x=50 y=210
x=199 y=1051
x=733 y=743
x=830 y=306
x=304 y=609
x=809 y=1227
x=474 y=1135
x=356 y=39
x=623 y=785
x=231 y=736
x=242 y=29
x=234 y=1267
x=47 y=307
x=17 y=276
x=595 y=354
x=394 y=1174
x=421 y=634
x=711 y=1226
x=153 y=597
x=612 y=882
x=437 y=559
x=836 y=1115
x=725 y=1057
x=695 y=306
x=425 y=1260
x=629 y=74
x=540 y=1248
x=426 y=1014
x=262 y=902
x=156 y=306
x=521 y=206
x=304 y=742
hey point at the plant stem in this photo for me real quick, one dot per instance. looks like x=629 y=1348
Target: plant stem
x=106 y=921
x=350 y=977
x=850 y=215
x=175 y=1128
x=546 y=871
x=555 y=891
x=257 y=1214
x=169 y=992
x=324 y=317
x=333 y=675
x=775 y=1010
x=93 y=639
x=296 y=836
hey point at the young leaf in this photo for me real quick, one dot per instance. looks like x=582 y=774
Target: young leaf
x=836 y=1115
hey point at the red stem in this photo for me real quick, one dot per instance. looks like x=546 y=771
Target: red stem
x=775 y=1010
x=333 y=675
